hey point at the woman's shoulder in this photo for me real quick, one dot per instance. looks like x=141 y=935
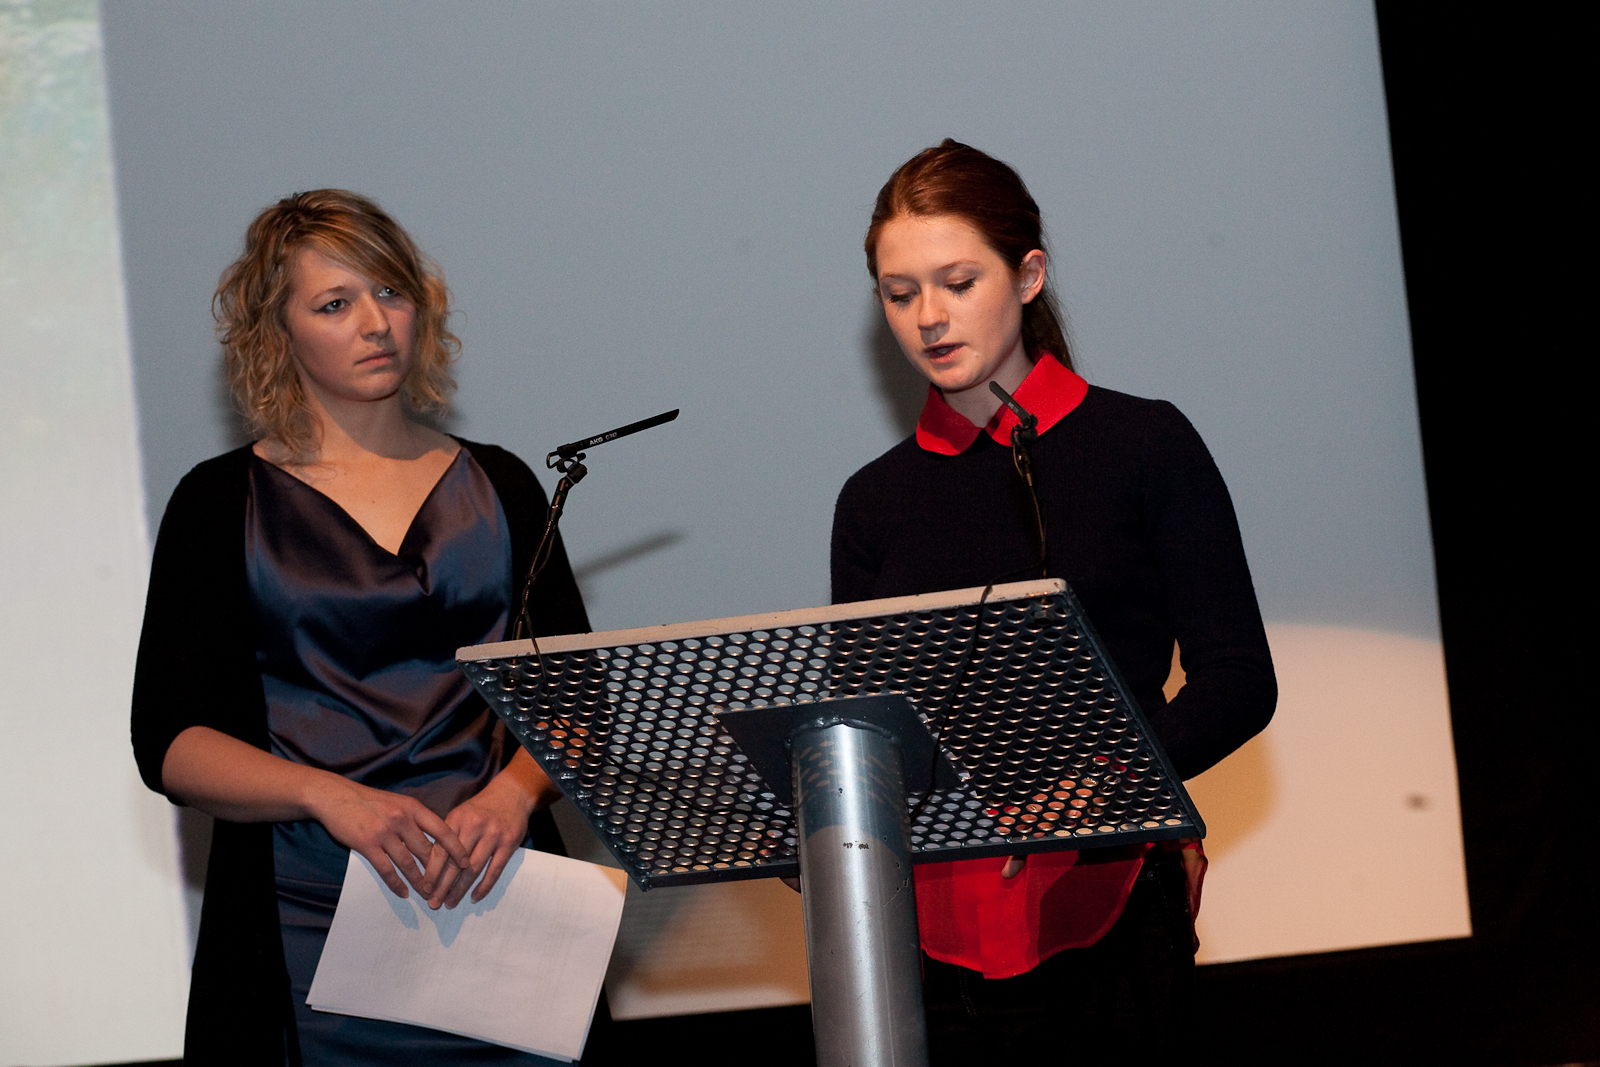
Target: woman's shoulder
x=205 y=515
x=1134 y=421
x=1150 y=442
x=217 y=481
x=513 y=480
x=891 y=467
x=229 y=465
x=1127 y=409
x=499 y=459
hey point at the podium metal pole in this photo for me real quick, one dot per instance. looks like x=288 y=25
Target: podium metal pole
x=860 y=898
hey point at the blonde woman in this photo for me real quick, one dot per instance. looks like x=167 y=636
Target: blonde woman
x=296 y=674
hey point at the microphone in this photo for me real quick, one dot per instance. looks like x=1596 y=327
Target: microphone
x=568 y=459
x=1027 y=423
x=572 y=449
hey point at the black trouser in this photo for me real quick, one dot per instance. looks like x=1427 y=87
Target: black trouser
x=1125 y=999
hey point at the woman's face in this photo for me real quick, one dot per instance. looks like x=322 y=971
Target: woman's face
x=353 y=339
x=955 y=306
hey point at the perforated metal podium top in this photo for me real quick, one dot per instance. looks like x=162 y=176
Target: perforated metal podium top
x=1018 y=690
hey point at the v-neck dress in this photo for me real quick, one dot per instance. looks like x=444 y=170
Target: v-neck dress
x=356 y=647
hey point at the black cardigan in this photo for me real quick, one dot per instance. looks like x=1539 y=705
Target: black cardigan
x=1139 y=524
x=197 y=667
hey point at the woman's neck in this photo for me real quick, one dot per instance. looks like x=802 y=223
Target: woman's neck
x=353 y=435
x=978 y=403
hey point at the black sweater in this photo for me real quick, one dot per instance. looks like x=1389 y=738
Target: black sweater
x=1139 y=524
x=197 y=667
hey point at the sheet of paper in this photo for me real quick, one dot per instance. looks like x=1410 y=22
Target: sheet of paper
x=522 y=969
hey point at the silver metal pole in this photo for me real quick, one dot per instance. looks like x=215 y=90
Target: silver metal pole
x=860 y=902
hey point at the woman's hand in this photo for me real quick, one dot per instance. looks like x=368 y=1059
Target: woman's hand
x=399 y=836
x=491 y=826
x=230 y=779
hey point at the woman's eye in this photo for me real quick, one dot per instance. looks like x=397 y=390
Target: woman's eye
x=961 y=287
x=898 y=298
x=387 y=292
x=332 y=306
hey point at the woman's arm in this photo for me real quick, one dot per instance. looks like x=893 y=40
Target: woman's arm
x=196 y=664
x=1230 y=690
x=402 y=839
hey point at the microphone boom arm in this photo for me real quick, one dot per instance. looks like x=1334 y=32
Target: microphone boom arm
x=568 y=459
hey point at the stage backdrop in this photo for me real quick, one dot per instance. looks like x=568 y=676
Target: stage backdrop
x=644 y=207
x=93 y=961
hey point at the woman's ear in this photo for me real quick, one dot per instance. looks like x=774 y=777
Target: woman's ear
x=1030 y=275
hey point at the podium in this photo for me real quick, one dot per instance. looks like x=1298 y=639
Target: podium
x=844 y=744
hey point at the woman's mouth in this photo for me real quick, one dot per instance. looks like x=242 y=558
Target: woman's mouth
x=940 y=351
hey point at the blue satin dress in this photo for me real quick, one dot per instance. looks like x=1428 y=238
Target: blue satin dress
x=356 y=646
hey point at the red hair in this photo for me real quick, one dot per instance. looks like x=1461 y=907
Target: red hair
x=956 y=179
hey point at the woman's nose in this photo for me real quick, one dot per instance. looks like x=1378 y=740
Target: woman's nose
x=930 y=313
x=374 y=319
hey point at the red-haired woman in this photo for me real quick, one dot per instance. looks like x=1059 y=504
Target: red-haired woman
x=296 y=675
x=1081 y=957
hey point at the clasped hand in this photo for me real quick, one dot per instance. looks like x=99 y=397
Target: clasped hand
x=440 y=858
x=397 y=834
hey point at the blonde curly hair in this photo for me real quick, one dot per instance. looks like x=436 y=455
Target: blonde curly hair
x=250 y=299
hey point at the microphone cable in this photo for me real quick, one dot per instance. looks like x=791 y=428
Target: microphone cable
x=1023 y=435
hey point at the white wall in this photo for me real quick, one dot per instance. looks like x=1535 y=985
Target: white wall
x=94 y=966
x=644 y=207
